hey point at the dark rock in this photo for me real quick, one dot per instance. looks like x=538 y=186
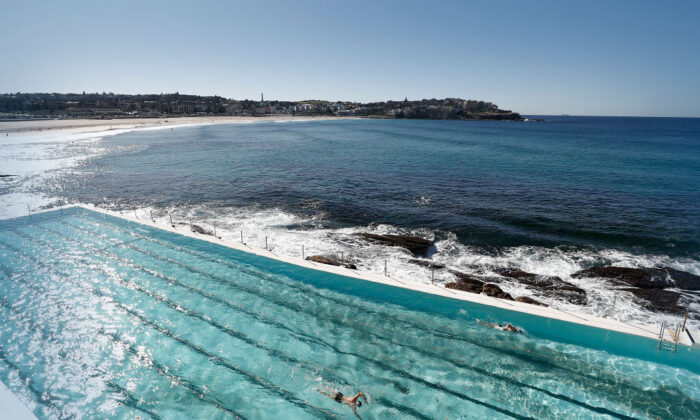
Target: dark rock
x=200 y=230
x=529 y=300
x=467 y=278
x=330 y=261
x=683 y=280
x=550 y=285
x=417 y=246
x=516 y=274
x=465 y=287
x=428 y=264
x=644 y=278
x=658 y=300
x=493 y=290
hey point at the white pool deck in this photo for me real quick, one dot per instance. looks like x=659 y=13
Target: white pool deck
x=11 y=407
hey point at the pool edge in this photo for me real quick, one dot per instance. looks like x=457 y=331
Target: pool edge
x=608 y=324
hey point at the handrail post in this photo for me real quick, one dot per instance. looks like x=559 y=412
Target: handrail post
x=302 y=252
x=686 y=318
x=241 y=236
x=385 y=268
x=266 y=247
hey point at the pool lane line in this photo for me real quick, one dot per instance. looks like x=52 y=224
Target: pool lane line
x=428 y=384
x=265 y=384
x=114 y=339
x=458 y=364
x=174 y=305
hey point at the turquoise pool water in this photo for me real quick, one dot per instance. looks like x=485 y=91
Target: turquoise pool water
x=104 y=318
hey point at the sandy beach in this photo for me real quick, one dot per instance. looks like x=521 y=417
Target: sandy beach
x=8 y=128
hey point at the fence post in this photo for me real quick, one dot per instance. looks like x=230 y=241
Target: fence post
x=342 y=257
x=432 y=274
x=266 y=248
x=241 y=236
x=551 y=301
x=385 y=267
x=302 y=252
x=151 y=213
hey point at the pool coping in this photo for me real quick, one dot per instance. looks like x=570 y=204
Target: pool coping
x=551 y=312
x=12 y=406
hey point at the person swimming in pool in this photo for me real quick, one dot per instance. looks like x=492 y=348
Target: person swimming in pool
x=508 y=327
x=352 y=402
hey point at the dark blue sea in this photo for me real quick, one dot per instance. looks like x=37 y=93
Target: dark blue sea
x=547 y=197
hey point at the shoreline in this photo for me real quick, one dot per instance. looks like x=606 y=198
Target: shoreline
x=10 y=128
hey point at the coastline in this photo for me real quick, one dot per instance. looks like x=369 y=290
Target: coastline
x=105 y=125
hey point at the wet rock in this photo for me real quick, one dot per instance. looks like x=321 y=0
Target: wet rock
x=683 y=280
x=201 y=230
x=330 y=261
x=428 y=264
x=658 y=300
x=418 y=246
x=516 y=274
x=531 y=301
x=467 y=283
x=493 y=290
x=548 y=285
x=465 y=287
x=644 y=278
x=467 y=278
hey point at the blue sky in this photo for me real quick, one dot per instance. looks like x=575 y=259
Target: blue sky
x=584 y=58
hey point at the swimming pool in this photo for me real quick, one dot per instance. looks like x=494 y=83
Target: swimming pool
x=102 y=317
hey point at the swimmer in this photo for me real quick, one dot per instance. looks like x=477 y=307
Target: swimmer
x=352 y=402
x=508 y=327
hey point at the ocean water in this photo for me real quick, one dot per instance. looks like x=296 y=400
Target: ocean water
x=105 y=318
x=549 y=197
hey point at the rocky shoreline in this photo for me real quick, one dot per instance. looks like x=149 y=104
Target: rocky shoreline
x=658 y=289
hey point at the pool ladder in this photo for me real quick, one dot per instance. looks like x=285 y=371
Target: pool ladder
x=669 y=345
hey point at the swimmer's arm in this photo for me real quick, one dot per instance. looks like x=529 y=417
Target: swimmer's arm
x=356 y=397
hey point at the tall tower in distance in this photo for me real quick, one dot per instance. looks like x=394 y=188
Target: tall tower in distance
x=262 y=98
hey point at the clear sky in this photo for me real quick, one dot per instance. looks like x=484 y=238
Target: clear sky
x=584 y=57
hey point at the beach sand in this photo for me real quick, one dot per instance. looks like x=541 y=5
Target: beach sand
x=8 y=128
